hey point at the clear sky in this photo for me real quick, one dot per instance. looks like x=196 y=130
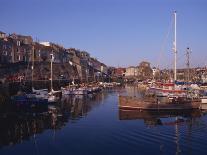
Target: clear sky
x=117 y=32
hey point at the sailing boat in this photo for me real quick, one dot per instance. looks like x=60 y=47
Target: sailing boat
x=171 y=89
x=37 y=98
x=39 y=93
x=167 y=97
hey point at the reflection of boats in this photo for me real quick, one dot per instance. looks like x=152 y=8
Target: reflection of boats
x=18 y=127
x=173 y=119
x=155 y=117
x=146 y=114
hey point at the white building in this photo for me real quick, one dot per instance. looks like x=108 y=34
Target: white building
x=45 y=43
x=131 y=71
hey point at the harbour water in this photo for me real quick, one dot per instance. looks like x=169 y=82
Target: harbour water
x=95 y=125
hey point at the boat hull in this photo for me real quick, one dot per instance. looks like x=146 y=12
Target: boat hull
x=126 y=102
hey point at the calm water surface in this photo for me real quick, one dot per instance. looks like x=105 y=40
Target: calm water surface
x=91 y=126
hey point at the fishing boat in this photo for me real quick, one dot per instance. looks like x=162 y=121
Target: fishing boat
x=177 y=103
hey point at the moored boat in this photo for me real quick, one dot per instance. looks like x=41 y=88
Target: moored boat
x=204 y=100
x=126 y=102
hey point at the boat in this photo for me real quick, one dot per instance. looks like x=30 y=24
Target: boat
x=36 y=98
x=23 y=102
x=67 y=90
x=128 y=102
x=168 y=96
x=38 y=93
x=168 y=89
x=74 y=91
x=204 y=100
x=80 y=91
x=171 y=87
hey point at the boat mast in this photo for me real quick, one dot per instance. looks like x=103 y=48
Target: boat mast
x=51 y=70
x=175 y=49
x=188 y=63
x=32 y=64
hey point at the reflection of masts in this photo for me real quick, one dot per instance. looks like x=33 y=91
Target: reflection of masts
x=177 y=139
x=54 y=119
x=34 y=136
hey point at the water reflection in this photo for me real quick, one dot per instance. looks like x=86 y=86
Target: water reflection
x=155 y=117
x=133 y=91
x=17 y=127
x=62 y=129
x=181 y=125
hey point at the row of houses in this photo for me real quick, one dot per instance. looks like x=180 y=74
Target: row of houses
x=16 y=48
x=142 y=71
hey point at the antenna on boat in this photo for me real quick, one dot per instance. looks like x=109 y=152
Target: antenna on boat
x=175 y=48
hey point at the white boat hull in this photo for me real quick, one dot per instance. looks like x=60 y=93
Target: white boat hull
x=52 y=98
x=204 y=100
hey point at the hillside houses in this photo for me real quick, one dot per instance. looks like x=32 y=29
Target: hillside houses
x=15 y=48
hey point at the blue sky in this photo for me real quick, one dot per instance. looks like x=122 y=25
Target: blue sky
x=117 y=32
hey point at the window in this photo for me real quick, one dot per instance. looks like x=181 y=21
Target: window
x=19 y=57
